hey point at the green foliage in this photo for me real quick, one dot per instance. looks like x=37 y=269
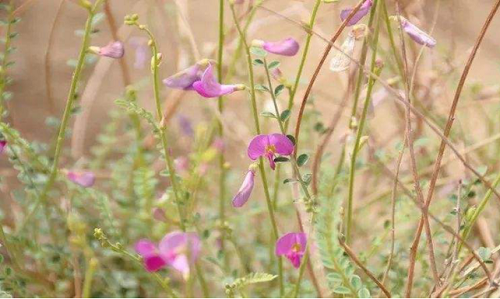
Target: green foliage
x=252 y=278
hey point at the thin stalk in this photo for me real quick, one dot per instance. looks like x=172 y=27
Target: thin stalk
x=220 y=133
x=357 y=143
x=89 y=275
x=253 y=99
x=69 y=102
x=6 y=52
x=162 y=131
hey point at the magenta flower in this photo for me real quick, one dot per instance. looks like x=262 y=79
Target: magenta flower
x=285 y=47
x=268 y=146
x=208 y=86
x=293 y=247
x=246 y=188
x=82 y=178
x=417 y=35
x=363 y=11
x=3 y=144
x=173 y=250
x=112 y=50
x=185 y=78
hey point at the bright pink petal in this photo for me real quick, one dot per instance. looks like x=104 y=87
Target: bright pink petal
x=145 y=247
x=363 y=11
x=245 y=190
x=286 y=243
x=181 y=264
x=154 y=263
x=286 y=47
x=282 y=144
x=3 y=144
x=84 y=179
x=208 y=86
x=416 y=34
x=257 y=146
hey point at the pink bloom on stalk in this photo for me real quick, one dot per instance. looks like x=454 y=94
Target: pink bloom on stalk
x=185 y=78
x=292 y=246
x=3 y=144
x=208 y=86
x=173 y=251
x=82 y=178
x=112 y=50
x=363 y=11
x=268 y=146
x=246 y=189
x=416 y=34
x=285 y=47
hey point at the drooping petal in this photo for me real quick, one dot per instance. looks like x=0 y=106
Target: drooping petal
x=245 y=190
x=112 y=50
x=270 y=158
x=154 y=263
x=208 y=86
x=84 y=179
x=282 y=144
x=363 y=11
x=293 y=247
x=416 y=34
x=285 y=47
x=3 y=144
x=257 y=146
x=185 y=78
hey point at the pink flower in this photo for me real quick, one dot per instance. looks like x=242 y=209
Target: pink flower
x=112 y=50
x=208 y=86
x=268 y=146
x=141 y=51
x=285 y=47
x=419 y=36
x=185 y=78
x=246 y=189
x=292 y=246
x=3 y=144
x=363 y=11
x=173 y=251
x=82 y=178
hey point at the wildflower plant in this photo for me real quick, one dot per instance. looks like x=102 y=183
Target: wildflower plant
x=235 y=165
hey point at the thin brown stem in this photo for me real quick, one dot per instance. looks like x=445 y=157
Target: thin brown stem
x=114 y=33
x=47 y=58
x=368 y=273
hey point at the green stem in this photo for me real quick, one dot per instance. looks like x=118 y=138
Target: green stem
x=162 y=131
x=69 y=103
x=359 y=134
x=257 y=128
x=89 y=275
x=6 y=52
x=220 y=133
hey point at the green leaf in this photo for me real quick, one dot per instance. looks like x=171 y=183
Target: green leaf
x=342 y=290
x=281 y=159
x=279 y=89
x=267 y=114
x=364 y=293
x=307 y=178
x=286 y=181
x=484 y=253
x=292 y=139
x=261 y=87
x=258 y=62
x=285 y=115
x=253 y=278
x=356 y=282
x=258 y=52
x=302 y=160
x=273 y=65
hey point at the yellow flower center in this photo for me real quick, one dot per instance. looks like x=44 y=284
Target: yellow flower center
x=296 y=247
x=271 y=148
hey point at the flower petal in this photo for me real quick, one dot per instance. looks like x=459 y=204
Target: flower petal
x=282 y=144
x=178 y=241
x=257 y=146
x=185 y=78
x=285 y=47
x=112 y=50
x=181 y=264
x=208 y=86
x=145 y=247
x=363 y=11
x=3 y=144
x=154 y=263
x=286 y=243
x=245 y=190
x=84 y=179
x=416 y=34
